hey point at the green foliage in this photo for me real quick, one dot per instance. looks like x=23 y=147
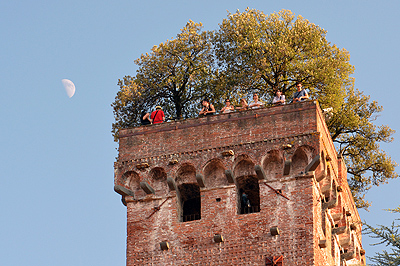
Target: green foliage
x=358 y=139
x=176 y=74
x=254 y=52
x=273 y=52
x=389 y=236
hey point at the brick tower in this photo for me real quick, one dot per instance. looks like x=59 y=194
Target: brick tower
x=259 y=187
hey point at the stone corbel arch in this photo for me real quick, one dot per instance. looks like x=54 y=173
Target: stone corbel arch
x=158 y=180
x=214 y=174
x=326 y=184
x=332 y=199
x=301 y=158
x=243 y=166
x=338 y=213
x=322 y=170
x=131 y=180
x=272 y=164
x=186 y=173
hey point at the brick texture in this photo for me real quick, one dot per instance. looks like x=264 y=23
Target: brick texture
x=199 y=168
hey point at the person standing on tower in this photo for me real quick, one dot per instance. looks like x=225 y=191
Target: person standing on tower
x=255 y=104
x=157 y=116
x=301 y=94
x=243 y=105
x=228 y=107
x=279 y=98
x=145 y=118
x=208 y=108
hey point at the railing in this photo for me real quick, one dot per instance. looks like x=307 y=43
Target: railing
x=191 y=217
x=252 y=209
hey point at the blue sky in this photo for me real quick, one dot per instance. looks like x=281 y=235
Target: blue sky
x=57 y=204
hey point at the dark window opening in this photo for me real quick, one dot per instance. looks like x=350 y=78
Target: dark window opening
x=190 y=202
x=249 y=194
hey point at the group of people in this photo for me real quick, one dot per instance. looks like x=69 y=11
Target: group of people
x=155 y=117
x=279 y=99
x=208 y=108
x=300 y=95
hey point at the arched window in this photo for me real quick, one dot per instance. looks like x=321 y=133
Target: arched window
x=247 y=186
x=249 y=194
x=190 y=202
x=188 y=194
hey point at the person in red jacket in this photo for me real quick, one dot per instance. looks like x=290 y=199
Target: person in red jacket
x=157 y=116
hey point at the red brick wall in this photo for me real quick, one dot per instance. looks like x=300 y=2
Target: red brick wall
x=217 y=131
x=270 y=137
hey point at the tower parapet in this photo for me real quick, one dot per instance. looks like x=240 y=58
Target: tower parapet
x=248 y=188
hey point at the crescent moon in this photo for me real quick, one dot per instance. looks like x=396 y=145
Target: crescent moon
x=69 y=87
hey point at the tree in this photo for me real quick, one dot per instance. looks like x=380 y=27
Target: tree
x=352 y=128
x=389 y=236
x=265 y=53
x=176 y=74
x=254 y=52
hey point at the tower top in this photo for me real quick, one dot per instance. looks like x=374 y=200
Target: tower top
x=245 y=188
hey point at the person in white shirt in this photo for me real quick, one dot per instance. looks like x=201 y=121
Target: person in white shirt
x=228 y=107
x=255 y=104
x=279 y=99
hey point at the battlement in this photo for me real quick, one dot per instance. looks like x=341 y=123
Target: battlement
x=183 y=184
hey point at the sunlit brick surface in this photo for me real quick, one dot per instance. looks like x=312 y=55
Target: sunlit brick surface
x=198 y=169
